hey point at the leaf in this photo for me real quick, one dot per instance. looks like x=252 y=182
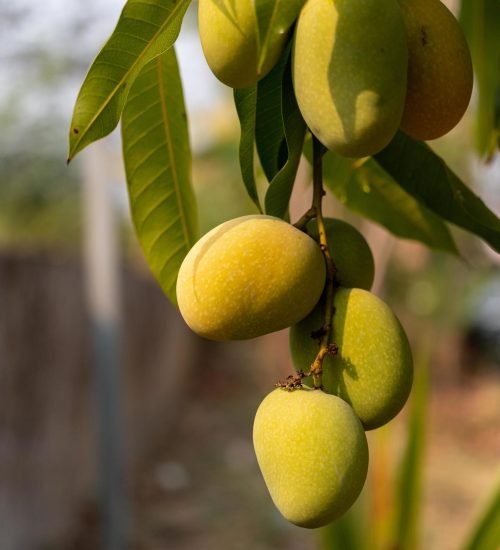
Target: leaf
x=269 y=132
x=410 y=480
x=425 y=176
x=371 y=192
x=146 y=28
x=280 y=188
x=275 y=17
x=480 y=20
x=485 y=534
x=245 y=100
x=158 y=167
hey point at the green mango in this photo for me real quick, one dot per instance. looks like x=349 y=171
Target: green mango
x=349 y=72
x=373 y=369
x=312 y=452
x=350 y=253
x=229 y=35
x=248 y=277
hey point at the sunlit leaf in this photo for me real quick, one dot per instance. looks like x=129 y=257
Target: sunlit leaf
x=280 y=188
x=245 y=101
x=275 y=17
x=480 y=20
x=425 y=176
x=368 y=190
x=158 y=166
x=146 y=28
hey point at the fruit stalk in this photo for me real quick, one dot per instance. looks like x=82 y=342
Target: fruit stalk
x=318 y=193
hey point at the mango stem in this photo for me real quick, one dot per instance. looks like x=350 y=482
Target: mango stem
x=317 y=206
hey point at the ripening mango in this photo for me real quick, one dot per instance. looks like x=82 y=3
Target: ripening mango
x=249 y=276
x=229 y=37
x=349 y=72
x=350 y=253
x=373 y=370
x=312 y=452
x=440 y=74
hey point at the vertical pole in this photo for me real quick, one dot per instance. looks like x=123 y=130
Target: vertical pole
x=103 y=302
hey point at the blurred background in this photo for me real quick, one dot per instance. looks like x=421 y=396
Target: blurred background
x=141 y=431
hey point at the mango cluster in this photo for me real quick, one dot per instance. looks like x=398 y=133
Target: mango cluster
x=361 y=68
x=257 y=274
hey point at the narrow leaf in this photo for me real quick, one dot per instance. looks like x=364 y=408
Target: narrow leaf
x=344 y=533
x=146 y=28
x=425 y=176
x=368 y=190
x=486 y=533
x=280 y=188
x=158 y=166
x=269 y=132
x=275 y=17
x=245 y=100
x=410 y=482
x=480 y=20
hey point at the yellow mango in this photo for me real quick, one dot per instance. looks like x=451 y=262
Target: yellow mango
x=439 y=70
x=349 y=72
x=373 y=370
x=312 y=452
x=249 y=276
x=230 y=40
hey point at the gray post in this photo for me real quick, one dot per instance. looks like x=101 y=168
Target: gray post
x=103 y=299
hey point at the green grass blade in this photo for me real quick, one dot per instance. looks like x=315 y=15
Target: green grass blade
x=146 y=28
x=486 y=533
x=409 y=485
x=157 y=160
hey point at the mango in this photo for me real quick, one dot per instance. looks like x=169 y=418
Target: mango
x=349 y=72
x=440 y=74
x=312 y=452
x=373 y=370
x=350 y=253
x=229 y=37
x=248 y=277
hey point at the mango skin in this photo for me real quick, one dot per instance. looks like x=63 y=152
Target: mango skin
x=248 y=277
x=350 y=253
x=440 y=75
x=373 y=370
x=313 y=454
x=349 y=72
x=229 y=38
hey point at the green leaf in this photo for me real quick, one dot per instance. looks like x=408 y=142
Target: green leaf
x=245 y=100
x=146 y=28
x=368 y=190
x=410 y=480
x=158 y=166
x=485 y=534
x=275 y=17
x=425 y=176
x=480 y=20
x=269 y=132
x=280 y=188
